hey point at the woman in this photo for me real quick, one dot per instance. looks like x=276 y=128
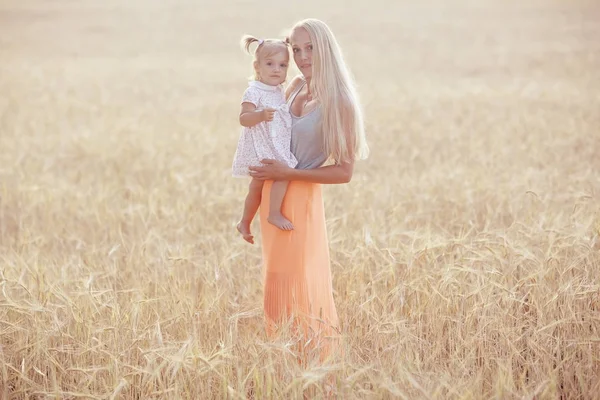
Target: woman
x=327 y=124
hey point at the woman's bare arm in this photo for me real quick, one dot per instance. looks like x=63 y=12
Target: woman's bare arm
x=330 y=174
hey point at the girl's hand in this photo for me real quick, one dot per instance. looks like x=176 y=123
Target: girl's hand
x=271 y=170
x=267 y=114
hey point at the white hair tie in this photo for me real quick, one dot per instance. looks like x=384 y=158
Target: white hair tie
x=260 y=41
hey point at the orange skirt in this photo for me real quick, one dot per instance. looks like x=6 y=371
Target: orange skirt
x=297 y=272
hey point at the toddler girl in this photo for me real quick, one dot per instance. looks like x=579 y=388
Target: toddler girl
x=266 y=132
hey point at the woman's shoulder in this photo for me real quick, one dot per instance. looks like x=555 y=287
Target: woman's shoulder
x=294 y=85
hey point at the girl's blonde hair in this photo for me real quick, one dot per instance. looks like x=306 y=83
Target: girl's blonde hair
x=265 y=48
x=332 y=84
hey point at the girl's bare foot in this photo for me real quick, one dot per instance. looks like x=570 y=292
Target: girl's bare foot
x=244 y=229
x=281 y=222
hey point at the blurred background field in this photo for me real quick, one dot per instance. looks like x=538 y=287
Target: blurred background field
x=465 y=251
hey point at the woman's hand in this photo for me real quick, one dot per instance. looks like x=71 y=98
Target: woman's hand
x=271 y=170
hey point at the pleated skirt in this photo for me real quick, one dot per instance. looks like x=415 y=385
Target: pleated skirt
x=298 y=292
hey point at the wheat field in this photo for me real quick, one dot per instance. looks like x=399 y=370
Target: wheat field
x=465 y=251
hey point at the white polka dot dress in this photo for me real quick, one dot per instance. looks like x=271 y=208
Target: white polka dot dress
x=266 y=139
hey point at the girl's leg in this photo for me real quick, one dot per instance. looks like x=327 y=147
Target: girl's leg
x=275 y=217
x=250 y=208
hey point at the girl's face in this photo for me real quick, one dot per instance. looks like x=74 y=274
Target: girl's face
x=302 y=49
x=272 y=69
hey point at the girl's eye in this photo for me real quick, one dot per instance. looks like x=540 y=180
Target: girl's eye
x=283 y=65
x=295 y=50
x=269 y=64
x=310 y=47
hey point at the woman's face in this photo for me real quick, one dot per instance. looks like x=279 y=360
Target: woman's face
x=302 y=49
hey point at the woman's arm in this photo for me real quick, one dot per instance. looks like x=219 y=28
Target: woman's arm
x=330 y=174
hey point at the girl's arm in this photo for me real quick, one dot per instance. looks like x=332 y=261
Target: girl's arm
x=277 y=171
x=250 y=116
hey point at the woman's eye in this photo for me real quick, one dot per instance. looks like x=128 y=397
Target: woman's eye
x=295 y=50
x=310 y=47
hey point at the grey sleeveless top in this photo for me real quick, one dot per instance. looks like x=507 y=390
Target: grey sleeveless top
x=307 y=140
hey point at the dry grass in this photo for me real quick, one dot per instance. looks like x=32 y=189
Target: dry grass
x=465 y=251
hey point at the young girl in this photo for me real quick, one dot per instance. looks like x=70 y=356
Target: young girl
x=267 y=128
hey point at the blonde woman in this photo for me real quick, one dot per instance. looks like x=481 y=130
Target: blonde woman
x=327 y=124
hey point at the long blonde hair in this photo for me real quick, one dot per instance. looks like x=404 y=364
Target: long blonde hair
x=265 y=48
x=332 y=84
